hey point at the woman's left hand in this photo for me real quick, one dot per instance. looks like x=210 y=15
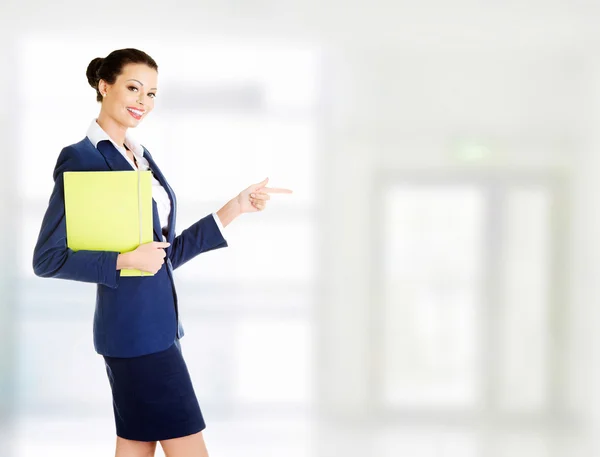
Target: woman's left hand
x=255 y=197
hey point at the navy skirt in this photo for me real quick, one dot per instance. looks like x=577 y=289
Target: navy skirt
x=153 y=396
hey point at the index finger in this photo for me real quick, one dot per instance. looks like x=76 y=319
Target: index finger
x=161 y=244
x=275 y=190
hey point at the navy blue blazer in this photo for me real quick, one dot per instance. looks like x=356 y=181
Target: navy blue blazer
x=134 y=315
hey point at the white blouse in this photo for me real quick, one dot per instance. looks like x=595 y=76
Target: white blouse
x=96 y=134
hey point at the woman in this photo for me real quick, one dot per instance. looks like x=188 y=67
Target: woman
x=136 y=322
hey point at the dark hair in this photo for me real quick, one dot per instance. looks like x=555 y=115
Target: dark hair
x=110 y=67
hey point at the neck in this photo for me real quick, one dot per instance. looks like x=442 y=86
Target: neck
x=114 y=130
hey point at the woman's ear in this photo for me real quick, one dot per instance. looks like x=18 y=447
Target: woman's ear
x=102 y=87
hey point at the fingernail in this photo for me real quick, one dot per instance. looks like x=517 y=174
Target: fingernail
x=252 y=195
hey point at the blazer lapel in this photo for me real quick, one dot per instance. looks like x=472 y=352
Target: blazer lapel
x=114 y=159
x=156 y=222
x=163 y=182
x=116 y=162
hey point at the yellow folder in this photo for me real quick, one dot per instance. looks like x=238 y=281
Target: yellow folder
x=109 y=211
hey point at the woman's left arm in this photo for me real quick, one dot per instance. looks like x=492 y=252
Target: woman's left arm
x=205 y=235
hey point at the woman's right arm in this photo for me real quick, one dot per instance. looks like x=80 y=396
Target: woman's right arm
x=51 y=256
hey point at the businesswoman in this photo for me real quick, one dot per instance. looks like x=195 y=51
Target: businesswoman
x=136 y=319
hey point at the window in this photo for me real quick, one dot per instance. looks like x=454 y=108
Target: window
x=433 y=277
x=468 y=294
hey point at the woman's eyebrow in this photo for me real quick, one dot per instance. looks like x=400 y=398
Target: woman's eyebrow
x=154 y=88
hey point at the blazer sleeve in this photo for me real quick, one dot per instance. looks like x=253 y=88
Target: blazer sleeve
x=202 y=236
x=51 y=256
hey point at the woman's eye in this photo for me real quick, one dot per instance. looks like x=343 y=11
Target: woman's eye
x=152 y=94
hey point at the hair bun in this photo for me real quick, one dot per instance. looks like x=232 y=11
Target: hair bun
x=92 y=71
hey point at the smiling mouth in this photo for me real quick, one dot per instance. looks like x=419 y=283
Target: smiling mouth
x=136 y=113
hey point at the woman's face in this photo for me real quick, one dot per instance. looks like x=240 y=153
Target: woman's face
x=131 y=98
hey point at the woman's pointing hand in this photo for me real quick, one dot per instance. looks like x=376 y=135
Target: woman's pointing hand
x=255 y=197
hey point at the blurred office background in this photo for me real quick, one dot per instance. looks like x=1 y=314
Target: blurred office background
x=431 y=288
